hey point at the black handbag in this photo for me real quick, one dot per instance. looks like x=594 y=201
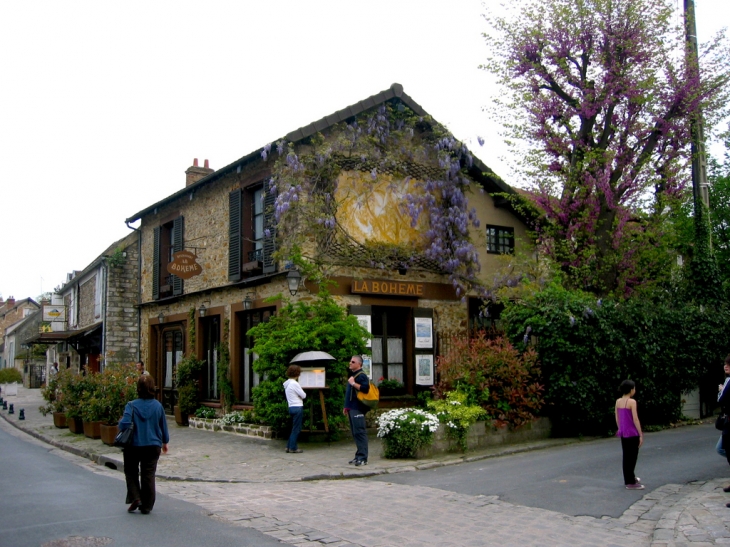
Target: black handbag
x=125 y=438
x=721 y=422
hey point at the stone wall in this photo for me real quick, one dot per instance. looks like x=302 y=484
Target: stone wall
x=87 y=296
x=484 y=435
x=122 y=294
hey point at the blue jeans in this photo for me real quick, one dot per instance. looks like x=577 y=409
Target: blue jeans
x=297 y=414
x=720 y=449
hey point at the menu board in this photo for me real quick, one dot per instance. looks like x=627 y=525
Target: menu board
x=312 y=377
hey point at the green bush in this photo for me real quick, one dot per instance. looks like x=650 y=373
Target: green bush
x=319 y=324
x=587 y=347
x=10 y=375
x=457 y=416
x=405 y=430
x=52 y=395
x=188 y=370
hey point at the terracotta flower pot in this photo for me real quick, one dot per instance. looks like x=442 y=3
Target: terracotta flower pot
x=92 y=429
x=59 y=420
x=179 y=418
x=75 y=425
x=108 y=432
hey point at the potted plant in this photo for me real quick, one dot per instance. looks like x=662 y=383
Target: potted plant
x=54 y=404
x=92 y=408
x=187 y=388
x=391 y=387
x=72 y=387
x=119 y=387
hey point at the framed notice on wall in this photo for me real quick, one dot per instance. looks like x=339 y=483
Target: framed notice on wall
x=365 y=322
x=424 y=370
x=367 y=365
x=424 y=332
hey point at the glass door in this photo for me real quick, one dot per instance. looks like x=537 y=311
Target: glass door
x=170 y=354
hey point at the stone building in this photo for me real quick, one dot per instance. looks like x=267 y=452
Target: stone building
x=96 y=316
x=219 y=234
x=12 y=312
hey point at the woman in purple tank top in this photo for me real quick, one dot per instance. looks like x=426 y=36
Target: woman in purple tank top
x=629 y=430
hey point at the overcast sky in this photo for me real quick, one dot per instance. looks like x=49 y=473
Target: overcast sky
x=105 y=104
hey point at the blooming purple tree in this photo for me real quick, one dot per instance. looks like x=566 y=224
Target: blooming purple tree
x=597 y=102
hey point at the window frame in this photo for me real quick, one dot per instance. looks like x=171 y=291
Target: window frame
x=503 y=237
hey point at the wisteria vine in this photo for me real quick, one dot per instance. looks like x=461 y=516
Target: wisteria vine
x=389 y=139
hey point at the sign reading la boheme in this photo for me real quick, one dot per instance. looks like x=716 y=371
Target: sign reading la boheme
x=184 y=265
x=392 y=288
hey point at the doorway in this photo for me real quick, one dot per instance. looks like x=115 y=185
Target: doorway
x=170 y=353
x=211 y=331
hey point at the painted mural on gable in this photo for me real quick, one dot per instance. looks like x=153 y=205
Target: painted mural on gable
x=373 y=210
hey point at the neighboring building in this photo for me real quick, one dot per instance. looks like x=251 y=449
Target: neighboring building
x=223 y=218
x=12 y=312
x=93 y=316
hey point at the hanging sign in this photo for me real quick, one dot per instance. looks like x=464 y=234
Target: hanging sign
x=184 y=265
x=54 y=314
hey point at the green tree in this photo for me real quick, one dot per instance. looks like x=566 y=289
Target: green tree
x=319 y=325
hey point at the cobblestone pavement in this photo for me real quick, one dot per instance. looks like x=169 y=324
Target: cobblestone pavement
x=255 y=484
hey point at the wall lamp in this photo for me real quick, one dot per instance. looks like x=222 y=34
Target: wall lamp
x=161 y=317
x=248 y=301
x=202 y=310
x=293 y=278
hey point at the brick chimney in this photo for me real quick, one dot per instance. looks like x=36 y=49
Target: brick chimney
x=195 y=173
x=10 y=302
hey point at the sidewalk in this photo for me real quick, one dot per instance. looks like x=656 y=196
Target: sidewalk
x=670 y=516
x=197 y=455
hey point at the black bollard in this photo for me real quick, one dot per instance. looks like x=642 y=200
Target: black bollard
x=12 y=410
x=21 y=416
x=5 y=405
x=1 y=400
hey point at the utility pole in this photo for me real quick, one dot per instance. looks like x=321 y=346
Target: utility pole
x=699 y=159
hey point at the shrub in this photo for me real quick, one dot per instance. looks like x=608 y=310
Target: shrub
x=206 y=412
x=588 y=346
x=10 y=375
x=72 y=387
x=457 y=416
x=188 y=370
x=52 y=395
x=494 y=375
x=405 y=430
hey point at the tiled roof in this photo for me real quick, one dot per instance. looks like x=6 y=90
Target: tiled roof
x=479 y=171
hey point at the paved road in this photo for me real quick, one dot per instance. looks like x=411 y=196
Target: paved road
x=581 y=479
x=49 y=501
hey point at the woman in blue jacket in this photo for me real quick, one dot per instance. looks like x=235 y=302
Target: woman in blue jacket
x=150 y=438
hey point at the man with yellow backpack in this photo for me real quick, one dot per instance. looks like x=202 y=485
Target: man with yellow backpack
x=360 y=396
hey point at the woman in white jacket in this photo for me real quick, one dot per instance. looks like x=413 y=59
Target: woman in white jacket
x=295 y=397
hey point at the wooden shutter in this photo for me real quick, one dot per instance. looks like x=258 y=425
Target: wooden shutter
x=178 y=244
x=156 y=264
x=269 y=227
x=234 y=235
